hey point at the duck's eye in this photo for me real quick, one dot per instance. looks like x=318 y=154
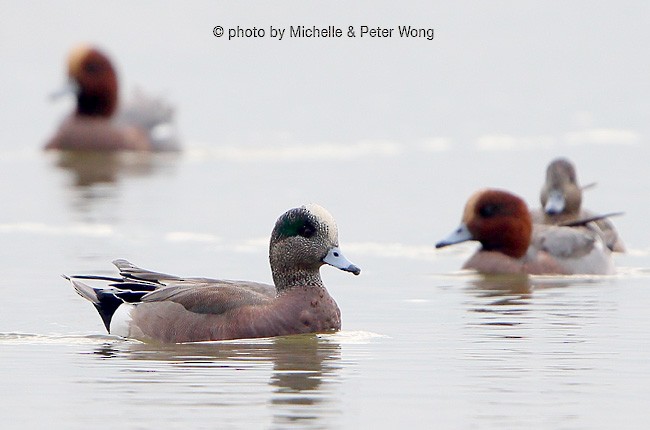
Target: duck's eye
x=92 y=67
x=306 y=230
x=487 y=211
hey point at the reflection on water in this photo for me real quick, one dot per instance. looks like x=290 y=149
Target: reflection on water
x=505 y=288
x=518 y=301
x=303 y=373
x=537 y=343
x=502 y=286
x=96 y=167
x=92 y=189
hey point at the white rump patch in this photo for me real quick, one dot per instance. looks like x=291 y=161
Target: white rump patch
x=121 y=321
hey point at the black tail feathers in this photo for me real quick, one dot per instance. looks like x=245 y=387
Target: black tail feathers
x=107 y=299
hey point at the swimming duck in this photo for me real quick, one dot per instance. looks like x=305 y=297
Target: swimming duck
x=510 y=243
x=561 y=198
x=151 y=306
x=144 y=124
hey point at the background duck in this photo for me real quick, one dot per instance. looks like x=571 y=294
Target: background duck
x=143 y=124
x=561 y=198
x=510 y=243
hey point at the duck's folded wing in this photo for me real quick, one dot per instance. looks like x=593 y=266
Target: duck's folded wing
x=577 y=250
x=565 y=242
x=601 y=224
x=610 y=235
x=213 y=297
x=152 y=114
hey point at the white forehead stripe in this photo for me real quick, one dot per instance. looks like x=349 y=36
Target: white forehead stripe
x=326 y=218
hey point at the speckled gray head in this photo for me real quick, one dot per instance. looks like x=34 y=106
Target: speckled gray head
x=304 y=239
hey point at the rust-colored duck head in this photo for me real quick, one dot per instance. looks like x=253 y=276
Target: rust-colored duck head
x=94 y=81
x=499 y=220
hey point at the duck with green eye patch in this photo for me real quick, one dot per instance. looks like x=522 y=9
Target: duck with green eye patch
x=152 y=306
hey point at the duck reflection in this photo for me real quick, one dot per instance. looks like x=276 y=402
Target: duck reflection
x=304 y=367
x=301 y=363
x=502 y=300
x=503 y=288
x=100 y=167
x=512 y=286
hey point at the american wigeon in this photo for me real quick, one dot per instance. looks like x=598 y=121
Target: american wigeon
x=152 y=306
x=510 y=243
x=144 y=124
x=561 y=198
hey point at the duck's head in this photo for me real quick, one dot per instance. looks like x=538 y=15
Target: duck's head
x=304 y=239
x=561 y=192
x=499 y=220
x=92 y=78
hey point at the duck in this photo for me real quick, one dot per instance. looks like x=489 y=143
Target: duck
x=144 y=124
x=156 y=307
x=561 y=199
x=512 y=244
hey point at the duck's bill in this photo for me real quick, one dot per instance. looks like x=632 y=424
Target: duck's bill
x=70 y=87
x=461 y=234
x=555 y=203
x=336 y=258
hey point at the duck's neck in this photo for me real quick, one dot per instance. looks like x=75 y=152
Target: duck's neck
x=285 y=279
x=96 y=105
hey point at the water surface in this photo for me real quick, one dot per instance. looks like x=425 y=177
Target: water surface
x=422 y=344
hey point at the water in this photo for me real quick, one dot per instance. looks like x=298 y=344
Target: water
x=391 y=136
x=422 y=344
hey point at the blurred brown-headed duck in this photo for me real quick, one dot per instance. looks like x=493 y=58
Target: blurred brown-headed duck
x=510 y=243
x=99 y=122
